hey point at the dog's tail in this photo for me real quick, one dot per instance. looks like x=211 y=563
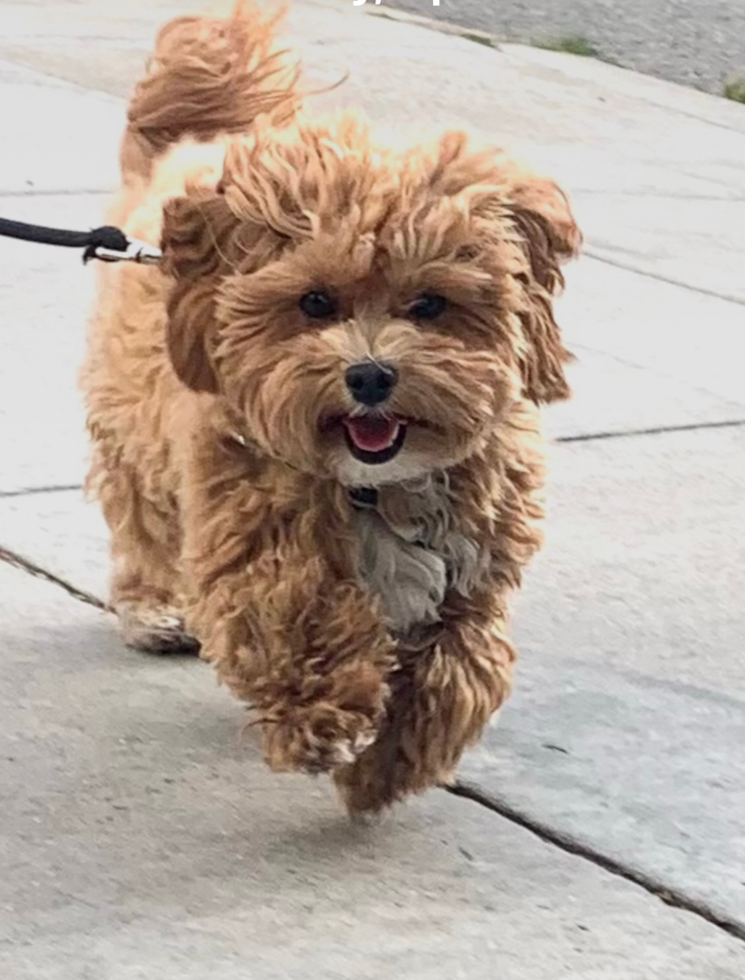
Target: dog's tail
x=208 y=76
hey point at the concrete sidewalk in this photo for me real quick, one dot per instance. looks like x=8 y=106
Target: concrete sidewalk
x=142 y=837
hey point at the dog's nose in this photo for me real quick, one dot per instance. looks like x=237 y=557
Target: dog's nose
x=371 y=382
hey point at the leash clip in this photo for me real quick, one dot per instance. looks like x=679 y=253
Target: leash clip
x=136 y=251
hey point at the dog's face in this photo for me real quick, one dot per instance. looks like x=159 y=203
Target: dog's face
x=370 y=317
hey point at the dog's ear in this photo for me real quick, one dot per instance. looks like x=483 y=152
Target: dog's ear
x=199 y=250
x=547 y=234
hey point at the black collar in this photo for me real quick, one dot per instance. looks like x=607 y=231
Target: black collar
x=363 y=497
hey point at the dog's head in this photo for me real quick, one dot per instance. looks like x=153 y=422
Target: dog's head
x=370 y=314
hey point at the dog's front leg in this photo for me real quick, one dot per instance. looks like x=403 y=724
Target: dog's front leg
x=323 y=661
x=442 y=696
x=279 y=612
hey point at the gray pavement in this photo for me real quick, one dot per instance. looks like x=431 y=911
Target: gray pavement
x=142 y=836
x=693 y=42
x=142 y=839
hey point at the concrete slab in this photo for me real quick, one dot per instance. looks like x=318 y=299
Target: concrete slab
x=675 y=99
x=612 y=396
x=692 y=241
x=679 y=334
x=48 y=37
x=56 y=136
x=142 y=838
x=628 y=721
x=643 y=557
x=45 y=296
x=61 y=532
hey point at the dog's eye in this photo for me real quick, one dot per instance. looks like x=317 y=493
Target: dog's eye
x=428 y=306
x=317 y=304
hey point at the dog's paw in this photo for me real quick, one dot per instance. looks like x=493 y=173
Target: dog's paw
x=324 y=757
x=318 y=738
x=154 y=629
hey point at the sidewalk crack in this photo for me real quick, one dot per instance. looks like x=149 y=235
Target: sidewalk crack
x=596 y=255
x=30 y=491
x=652 y=431
x=550 y=835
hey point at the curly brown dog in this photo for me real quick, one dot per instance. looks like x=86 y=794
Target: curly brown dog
x=314 y=424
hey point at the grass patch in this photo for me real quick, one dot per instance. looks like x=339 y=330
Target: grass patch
x=734 y=90
x=569 y=45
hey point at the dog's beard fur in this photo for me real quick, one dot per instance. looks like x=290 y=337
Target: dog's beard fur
x=316 y=207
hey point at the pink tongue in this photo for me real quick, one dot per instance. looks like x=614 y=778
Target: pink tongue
x=371 y=433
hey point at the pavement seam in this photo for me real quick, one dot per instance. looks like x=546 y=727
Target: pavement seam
x=54 y=192
x=597 y=256
x=556 y=838
x=31 y=491
x=652 y=431
x=23 y=564
x=659 y=195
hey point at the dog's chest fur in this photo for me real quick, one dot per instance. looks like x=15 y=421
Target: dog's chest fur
x=410 y=554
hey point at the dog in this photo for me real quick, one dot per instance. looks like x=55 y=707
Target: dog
x=315 y=425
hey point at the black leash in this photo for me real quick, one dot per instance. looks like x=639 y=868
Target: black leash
x=106 y=243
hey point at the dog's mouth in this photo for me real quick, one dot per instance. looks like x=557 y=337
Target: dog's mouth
x=374 y=439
